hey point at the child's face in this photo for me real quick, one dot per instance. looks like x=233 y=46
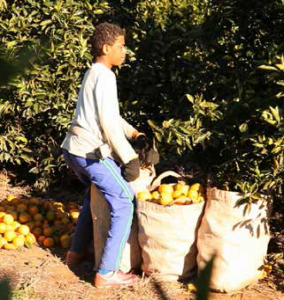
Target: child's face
x=116 y=53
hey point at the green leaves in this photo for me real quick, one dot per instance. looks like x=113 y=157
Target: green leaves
x=211 y=89
x=43 y=56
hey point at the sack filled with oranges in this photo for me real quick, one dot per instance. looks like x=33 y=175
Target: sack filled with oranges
x=168 y=218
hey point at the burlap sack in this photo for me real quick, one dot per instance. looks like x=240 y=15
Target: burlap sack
x=239 y=241
x=131 y=257
x=167 y=237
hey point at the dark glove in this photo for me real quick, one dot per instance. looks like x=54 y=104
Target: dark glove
x=130 y=171
x=152 y=157
x=147 y=155
x=141 y=143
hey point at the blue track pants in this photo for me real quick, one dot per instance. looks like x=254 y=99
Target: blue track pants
x=106 y=175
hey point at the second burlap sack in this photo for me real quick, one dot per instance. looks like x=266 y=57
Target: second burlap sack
x=238 y=241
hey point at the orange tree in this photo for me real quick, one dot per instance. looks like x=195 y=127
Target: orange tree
x=37 y=105
x=193 y=75
x=232 y=126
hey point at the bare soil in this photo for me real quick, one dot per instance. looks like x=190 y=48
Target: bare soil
x=41 y=274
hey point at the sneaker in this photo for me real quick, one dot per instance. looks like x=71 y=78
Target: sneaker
x=114 y=278
x=73 y=258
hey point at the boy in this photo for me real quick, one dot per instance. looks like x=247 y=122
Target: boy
x=96 y=148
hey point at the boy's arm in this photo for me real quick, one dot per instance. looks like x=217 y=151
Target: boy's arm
x=110 y=119
x=130 y=132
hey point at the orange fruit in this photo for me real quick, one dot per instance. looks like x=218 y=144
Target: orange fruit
x=65 y=220
x=197 y=187
x=31 y=225
x=15 y=201
x=25 y=201
x=65 y=215
x=40 y=240
x=165 y=188
x=9 y=235
x=4 y=203
x=166 y=198
x=30 y=238
x=48 y=205
x=178 y=186
x=2 y=214
x=45 y=224
x=59 y=215
x=2 y=242
x=71 y=227
x=10 y=227
x=192 y=194
x=56 y=222
x=37 y=223
x=37 y=231
x=21 y=236
x=74 y=214
x=13 y=213
x=182 y=187
x=8 y=219
x=24 y=217
x=38 y=217
x=60 y=209
x=18 y=242
x=34 y=200
x=24 y=229
x=176 y=194
x=185 y=189
x=16 y=225
x=200 y=199
x=50 y=215
x=180 y=201
x=10 y=197
x=3 y=228
x=48 y=242
x=48 y=231
x=65 y=242
x=144 y=195
x=72 y=206
x=155 y=195
x=22 y=207
x=33 y=210
x=9 y=246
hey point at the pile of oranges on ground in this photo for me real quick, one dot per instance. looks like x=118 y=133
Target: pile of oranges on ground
x=26 y=221
x=174 y=194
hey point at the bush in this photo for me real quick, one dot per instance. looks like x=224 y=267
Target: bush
x=37 y=106
x=234 y=131
x=193 y=77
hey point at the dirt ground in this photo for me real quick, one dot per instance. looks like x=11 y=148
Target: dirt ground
x=39 y=273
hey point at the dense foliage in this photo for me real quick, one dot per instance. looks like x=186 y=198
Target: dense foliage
x=206 y=75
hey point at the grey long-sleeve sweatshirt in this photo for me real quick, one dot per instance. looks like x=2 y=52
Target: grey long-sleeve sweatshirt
x=98 y=119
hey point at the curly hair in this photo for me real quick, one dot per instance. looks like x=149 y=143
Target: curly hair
x=105 y=33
